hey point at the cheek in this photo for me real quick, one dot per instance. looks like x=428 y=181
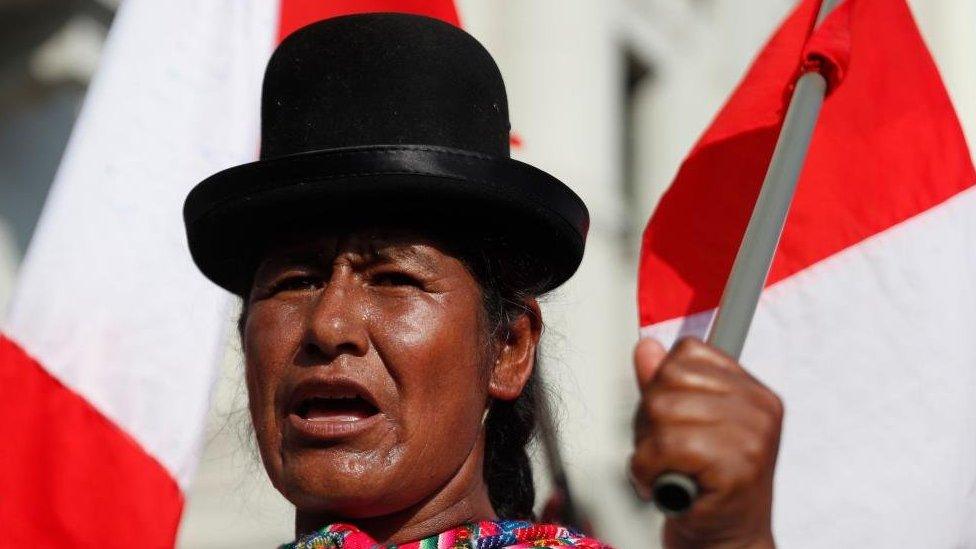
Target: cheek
x=433 y=349
x=437 y=339
x=271 y=335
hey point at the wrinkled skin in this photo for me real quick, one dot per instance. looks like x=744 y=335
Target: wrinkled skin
x=396 y=314
x=702 y=414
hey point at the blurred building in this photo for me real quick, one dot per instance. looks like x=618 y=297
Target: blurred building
x=48 y=52
x=606 y=95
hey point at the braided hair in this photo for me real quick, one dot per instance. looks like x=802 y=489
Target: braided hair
x=507 y=281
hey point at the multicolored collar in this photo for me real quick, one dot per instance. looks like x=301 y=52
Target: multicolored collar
x=499 y=534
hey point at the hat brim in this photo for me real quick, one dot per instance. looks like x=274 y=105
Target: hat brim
x=231 y=215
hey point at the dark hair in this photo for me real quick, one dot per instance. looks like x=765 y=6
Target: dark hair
x=506 y=284
x=507 y=277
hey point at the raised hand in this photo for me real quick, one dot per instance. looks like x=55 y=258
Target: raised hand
x=701 y=414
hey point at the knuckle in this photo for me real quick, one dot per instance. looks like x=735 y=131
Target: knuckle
x=768 y=428
x=672 y=444
x=692 y=352
x=766 y=399
x=772 y=404
x=749 y=474
x=659 y=407
x=687 y=345
x=670 y=373
x=739 y=475
x=776 y=406
x=754 y=449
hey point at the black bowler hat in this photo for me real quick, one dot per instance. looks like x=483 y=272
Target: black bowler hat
x=383 y=111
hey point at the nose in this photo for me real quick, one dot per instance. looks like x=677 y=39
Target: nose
x=337 y=323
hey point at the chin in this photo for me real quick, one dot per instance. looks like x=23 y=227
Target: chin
x=347 y=484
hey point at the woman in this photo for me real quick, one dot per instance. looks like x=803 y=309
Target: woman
x=390 y=256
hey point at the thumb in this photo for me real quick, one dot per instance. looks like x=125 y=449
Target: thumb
x=648 y=355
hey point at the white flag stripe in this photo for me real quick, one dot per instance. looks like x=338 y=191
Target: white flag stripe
x=108 y=298
x=883 y=449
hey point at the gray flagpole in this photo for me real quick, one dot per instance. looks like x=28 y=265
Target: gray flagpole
x=674 y=493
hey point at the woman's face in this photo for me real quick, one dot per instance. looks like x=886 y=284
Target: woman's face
x=366 y=370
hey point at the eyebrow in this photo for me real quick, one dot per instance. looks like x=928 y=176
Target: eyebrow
x=410 y=254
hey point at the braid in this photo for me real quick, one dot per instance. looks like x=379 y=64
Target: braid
x=508 y=471
x=505 y=277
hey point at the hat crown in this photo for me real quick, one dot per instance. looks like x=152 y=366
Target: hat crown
x=382 y=79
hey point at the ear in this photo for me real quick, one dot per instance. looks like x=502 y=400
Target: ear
x=516 y=356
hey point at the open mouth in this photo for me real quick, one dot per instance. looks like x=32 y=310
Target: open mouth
x=329 y=409
x=338 y=407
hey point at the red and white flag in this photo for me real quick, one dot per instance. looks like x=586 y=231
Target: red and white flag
x=865 y=328
x=110 y=348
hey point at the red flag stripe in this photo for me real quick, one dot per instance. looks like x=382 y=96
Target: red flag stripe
x=859 y=180
x=89 y=480
x=295 y=14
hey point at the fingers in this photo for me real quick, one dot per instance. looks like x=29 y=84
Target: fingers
x=693 y=349
x=688 y=449
x=726 y=447
x=703 y=415
x=648 y=355
x=681 y=408
x=694 y=365
x=702 y=453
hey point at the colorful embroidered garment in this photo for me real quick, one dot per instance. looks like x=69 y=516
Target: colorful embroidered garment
x=500 y=534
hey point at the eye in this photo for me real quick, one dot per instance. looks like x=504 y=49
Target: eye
x=296 y=283
x=393 y=279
